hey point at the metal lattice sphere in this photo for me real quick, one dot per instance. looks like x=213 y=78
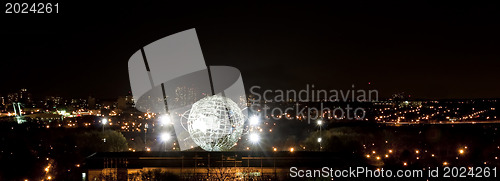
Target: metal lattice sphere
x=215 y=123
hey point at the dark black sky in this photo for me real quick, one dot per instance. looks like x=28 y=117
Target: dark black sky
x=428 y=50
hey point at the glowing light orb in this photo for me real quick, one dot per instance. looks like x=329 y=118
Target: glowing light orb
x=165 y=137
x=165 y=119
x=215 y=123
x=254 y=138
x=254 y=120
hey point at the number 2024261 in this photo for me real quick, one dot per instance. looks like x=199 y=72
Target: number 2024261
x=31 y=8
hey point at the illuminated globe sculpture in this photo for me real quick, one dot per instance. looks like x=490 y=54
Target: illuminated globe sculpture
x=215 y=123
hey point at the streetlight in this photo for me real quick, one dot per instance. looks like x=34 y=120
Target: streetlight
x=164 y=138
x=104 y=122
x=254 y=120
x=320 y=123
x=145 y=135
x=254 y=138
x=165 y=119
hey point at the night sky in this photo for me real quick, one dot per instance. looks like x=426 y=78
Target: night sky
x=427 y=50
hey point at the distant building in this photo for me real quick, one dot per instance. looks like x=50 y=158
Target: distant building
x=12 y=97
x=52 y=102
x=25 y=96
x=125 y=102
x=91 y=102
x=2 y=104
